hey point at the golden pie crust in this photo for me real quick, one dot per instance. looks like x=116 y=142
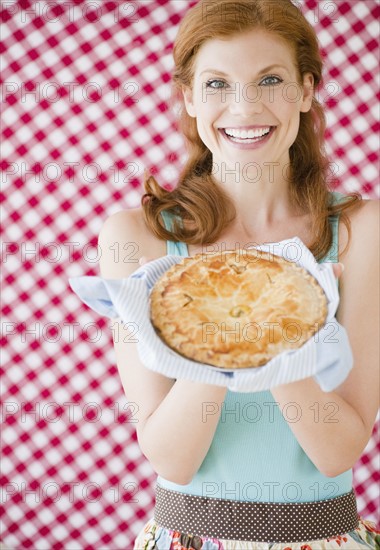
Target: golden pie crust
x=236 y=308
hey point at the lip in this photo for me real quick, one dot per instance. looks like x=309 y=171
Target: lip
x=254 y=145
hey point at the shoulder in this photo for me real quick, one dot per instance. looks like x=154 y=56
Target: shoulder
x=123 y=239
x=364 y=232
x=361 y=257
x=124 y=220
x=366 y=213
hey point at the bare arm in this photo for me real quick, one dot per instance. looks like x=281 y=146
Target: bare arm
x=334 y=428
x=171 y=431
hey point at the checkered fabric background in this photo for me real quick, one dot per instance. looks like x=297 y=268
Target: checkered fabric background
x=85 y=87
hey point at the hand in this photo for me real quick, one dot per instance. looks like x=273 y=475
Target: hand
x=337 y=359
x=144 y=260
x=338 y=269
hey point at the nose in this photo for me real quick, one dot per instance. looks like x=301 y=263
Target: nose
x=246 y=100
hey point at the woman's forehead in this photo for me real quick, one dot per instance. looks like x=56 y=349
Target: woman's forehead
x=258 y=48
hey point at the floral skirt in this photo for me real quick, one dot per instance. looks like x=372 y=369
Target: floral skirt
x=154 y=537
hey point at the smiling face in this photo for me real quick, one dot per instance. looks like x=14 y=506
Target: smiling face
x=249 y=80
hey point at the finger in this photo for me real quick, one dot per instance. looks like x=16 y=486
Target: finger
x=144 y=259
x=338 y=269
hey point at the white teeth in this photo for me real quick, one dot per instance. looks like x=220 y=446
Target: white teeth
x=244 y=134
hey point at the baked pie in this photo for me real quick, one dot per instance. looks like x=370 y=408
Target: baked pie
x=236 y=308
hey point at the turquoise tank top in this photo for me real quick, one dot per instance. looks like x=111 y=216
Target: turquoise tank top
x=254 y=455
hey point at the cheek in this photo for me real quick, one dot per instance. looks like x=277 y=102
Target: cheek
x=284 y=100
x=209 y=102
x=292 y=93
x=203 y=126
x=208 y=111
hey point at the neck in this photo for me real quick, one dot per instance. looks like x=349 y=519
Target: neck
x=260 y=194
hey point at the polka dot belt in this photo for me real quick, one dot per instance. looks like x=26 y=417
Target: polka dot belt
x=255 y=521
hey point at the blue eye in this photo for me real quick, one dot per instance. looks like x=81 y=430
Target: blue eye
x=279 y=80
x=209 y=82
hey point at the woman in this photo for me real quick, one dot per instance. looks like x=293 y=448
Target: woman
x=241 y=66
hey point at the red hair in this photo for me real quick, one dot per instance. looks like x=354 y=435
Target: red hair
x=198 y=197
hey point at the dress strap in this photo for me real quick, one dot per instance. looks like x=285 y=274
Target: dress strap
x=175 y=248
x=333 y=254
x=178 y=248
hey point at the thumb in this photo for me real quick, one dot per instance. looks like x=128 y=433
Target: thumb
x=143 y=260
x=338 y=269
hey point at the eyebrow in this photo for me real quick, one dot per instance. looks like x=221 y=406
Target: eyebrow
x=269 y=68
